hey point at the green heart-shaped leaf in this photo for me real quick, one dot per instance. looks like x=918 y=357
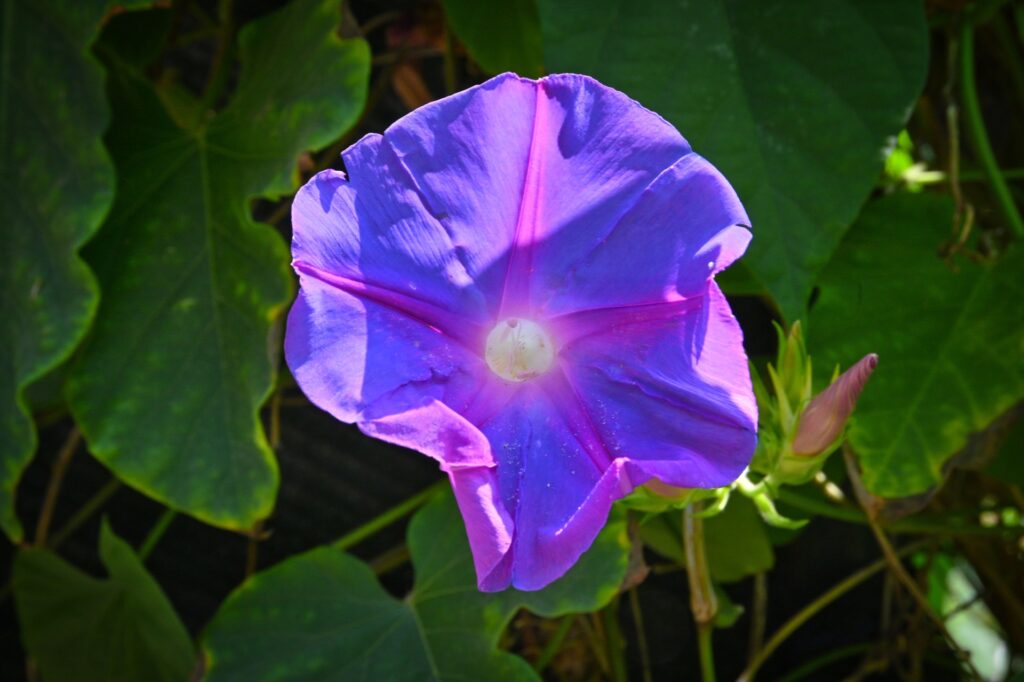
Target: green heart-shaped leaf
x=57 y=185
x=169 y=384
x=81 y=628
x=949 y=339
x=324 y=615
x=792 y=99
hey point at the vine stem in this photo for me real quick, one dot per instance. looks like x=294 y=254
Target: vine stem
x=155 y=533
x=931 y=524
x=815 y=664
x=60 y=468
x=554 y=644
x=703 y=603
x=85 y=512
x=77 y=519
x=759 y=614
x=613 y=639
x=911 y=586
x=892 y=559
x=396 y=513
x=450 y=75
x=641 y=634
x=812 y=609
x=979 y=136
x=218 y=77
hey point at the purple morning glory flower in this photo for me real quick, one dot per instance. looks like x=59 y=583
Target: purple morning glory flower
x=517 y=281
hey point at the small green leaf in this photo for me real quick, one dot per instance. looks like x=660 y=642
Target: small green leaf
x=501 y=36
x=323 y=615
x=169 y=384
x=792 y=99
x=81 y=628
x=57 y=185
x=728 y=610
x=736 y=541
x=664 y=534
x=949 y=339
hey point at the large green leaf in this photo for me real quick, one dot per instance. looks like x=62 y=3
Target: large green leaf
x=81 y=628
x=57 y=185
x=181 y=357
x=501 y=36
x=792 y=99
x=323 y=615
x=949 y=337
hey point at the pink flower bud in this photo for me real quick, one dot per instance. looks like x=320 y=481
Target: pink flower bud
x=822 y=422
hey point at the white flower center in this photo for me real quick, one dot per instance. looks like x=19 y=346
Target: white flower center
x=519 y=349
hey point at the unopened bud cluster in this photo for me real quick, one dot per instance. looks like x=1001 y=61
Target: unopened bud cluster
x=798 y=430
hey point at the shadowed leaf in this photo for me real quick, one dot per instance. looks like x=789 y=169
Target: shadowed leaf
x=169 y=384
x=324 y=615
x=793 y=101
x=57 y=184
x=121 y=628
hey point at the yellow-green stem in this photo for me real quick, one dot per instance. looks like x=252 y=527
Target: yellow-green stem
x=979 y=136
x=703 y=603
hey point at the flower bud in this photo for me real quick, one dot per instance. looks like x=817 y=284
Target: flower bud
x=822 y=422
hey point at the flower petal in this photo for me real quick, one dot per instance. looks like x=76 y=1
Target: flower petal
x=687 y=226
x=467 y=155
x=557 y=496
x=371 y=235
x=402 y=380
x=564 y=158
x=555 y=482
x=594 y=152
x=673 y=395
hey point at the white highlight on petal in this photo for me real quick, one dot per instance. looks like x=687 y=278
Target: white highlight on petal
x=519 y=349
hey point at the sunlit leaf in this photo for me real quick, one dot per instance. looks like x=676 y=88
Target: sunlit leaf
x=792 y=100
x=170 y=381
x=948 y=337
x=324 y=615
x=77 y=627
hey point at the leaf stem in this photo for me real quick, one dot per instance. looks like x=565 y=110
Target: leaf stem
x=85 y=512
x=396 y=513
x=450 y=76
x=812 y=609
x=759 y=613
x=613 y=639
x=641 y=634
x=554 y=644
x=829 y=657
x=911 y=586
x=952 y=525
x=707 y=653
x=60 y=468
x=155 y=533
x=79 y=517
x=979 y=136
x=218 y=77
x=703 y=603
